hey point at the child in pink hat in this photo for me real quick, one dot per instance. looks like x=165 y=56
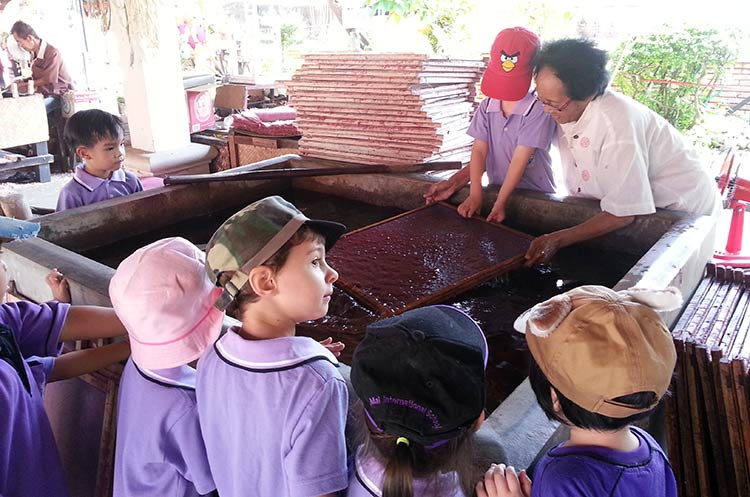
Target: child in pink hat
x=164 y=299
x=512 y=133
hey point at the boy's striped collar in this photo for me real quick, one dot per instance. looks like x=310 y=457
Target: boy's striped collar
x=180 y=377
x=269 y=355
x=91 y=182
x=523 y=107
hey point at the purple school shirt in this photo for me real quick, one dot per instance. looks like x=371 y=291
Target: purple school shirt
x=159 y=450
x=41 y=369
x=29 y=462
x=367 y=480
x=593 y=471
x=527 y=125
x=273 y=414
x=85 y=189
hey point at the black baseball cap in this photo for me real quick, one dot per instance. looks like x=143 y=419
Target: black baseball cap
x=420 y=374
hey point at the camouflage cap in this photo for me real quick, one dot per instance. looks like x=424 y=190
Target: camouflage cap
x=254 y=234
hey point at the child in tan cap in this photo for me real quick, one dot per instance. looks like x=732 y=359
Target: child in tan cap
x=601 y=361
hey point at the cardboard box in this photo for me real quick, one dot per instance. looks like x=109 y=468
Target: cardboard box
x=200 y=109
x=231 y=97
x=73 y=101
x=245 y=150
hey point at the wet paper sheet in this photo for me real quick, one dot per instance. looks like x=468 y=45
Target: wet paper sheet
x=422 y=257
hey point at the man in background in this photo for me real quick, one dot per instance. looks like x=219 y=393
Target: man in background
x=48 y=71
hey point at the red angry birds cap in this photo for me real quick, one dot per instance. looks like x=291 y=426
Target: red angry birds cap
x=508 y=75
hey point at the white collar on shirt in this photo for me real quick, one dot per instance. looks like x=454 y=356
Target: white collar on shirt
x=91 y=182
x=181 y=376
x=42 y=49
x=523 y=107
x=369 y=472
x=590 y=113
x=272 y=354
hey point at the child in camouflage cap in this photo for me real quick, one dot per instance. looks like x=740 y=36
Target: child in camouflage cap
x=270 y=402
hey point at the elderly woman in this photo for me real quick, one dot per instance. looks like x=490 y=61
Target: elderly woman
x=612 y=149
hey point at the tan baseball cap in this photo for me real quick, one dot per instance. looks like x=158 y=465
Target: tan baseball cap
x=595 y=345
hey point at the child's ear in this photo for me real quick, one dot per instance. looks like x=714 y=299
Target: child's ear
x=480 y=420
x=262 y=280
x=83 y=152
x=555 y=401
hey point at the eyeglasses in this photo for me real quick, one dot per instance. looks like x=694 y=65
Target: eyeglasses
x=558 y=109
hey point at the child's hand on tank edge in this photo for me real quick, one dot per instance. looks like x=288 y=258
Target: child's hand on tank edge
x=470 y=206
x=502 y=481
x=497 y=215
x=334 y=347
x=59 y=286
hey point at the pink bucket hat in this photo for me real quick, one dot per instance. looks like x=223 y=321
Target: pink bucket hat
x=163 y=297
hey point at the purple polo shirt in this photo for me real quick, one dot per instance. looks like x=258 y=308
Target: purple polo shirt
x=367 y=480
x=41 y=369
x=85 y=188
x=527 y=125
x=582 y=471
x=159 y=449
x=29 y=462
x=273 y=414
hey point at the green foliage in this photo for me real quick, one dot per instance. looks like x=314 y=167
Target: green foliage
x=289 y=36
x=693 y=56
x=441 y=18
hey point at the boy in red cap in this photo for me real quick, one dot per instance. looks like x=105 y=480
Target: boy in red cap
x=512 y=133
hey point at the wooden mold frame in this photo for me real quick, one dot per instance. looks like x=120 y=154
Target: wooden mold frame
x=708 y=413
x=423 y=256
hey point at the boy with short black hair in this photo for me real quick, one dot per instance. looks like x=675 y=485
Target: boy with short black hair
x=272 y=406
x=97 y=137
x=601 y=361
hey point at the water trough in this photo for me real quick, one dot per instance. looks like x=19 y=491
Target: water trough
x=667 y=248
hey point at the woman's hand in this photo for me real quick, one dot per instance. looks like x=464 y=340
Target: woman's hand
x=59 y=286
x=442 y=190
x=542 y=249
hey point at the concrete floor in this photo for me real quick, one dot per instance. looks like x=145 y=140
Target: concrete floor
x=45 y=194
x=38 y=194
